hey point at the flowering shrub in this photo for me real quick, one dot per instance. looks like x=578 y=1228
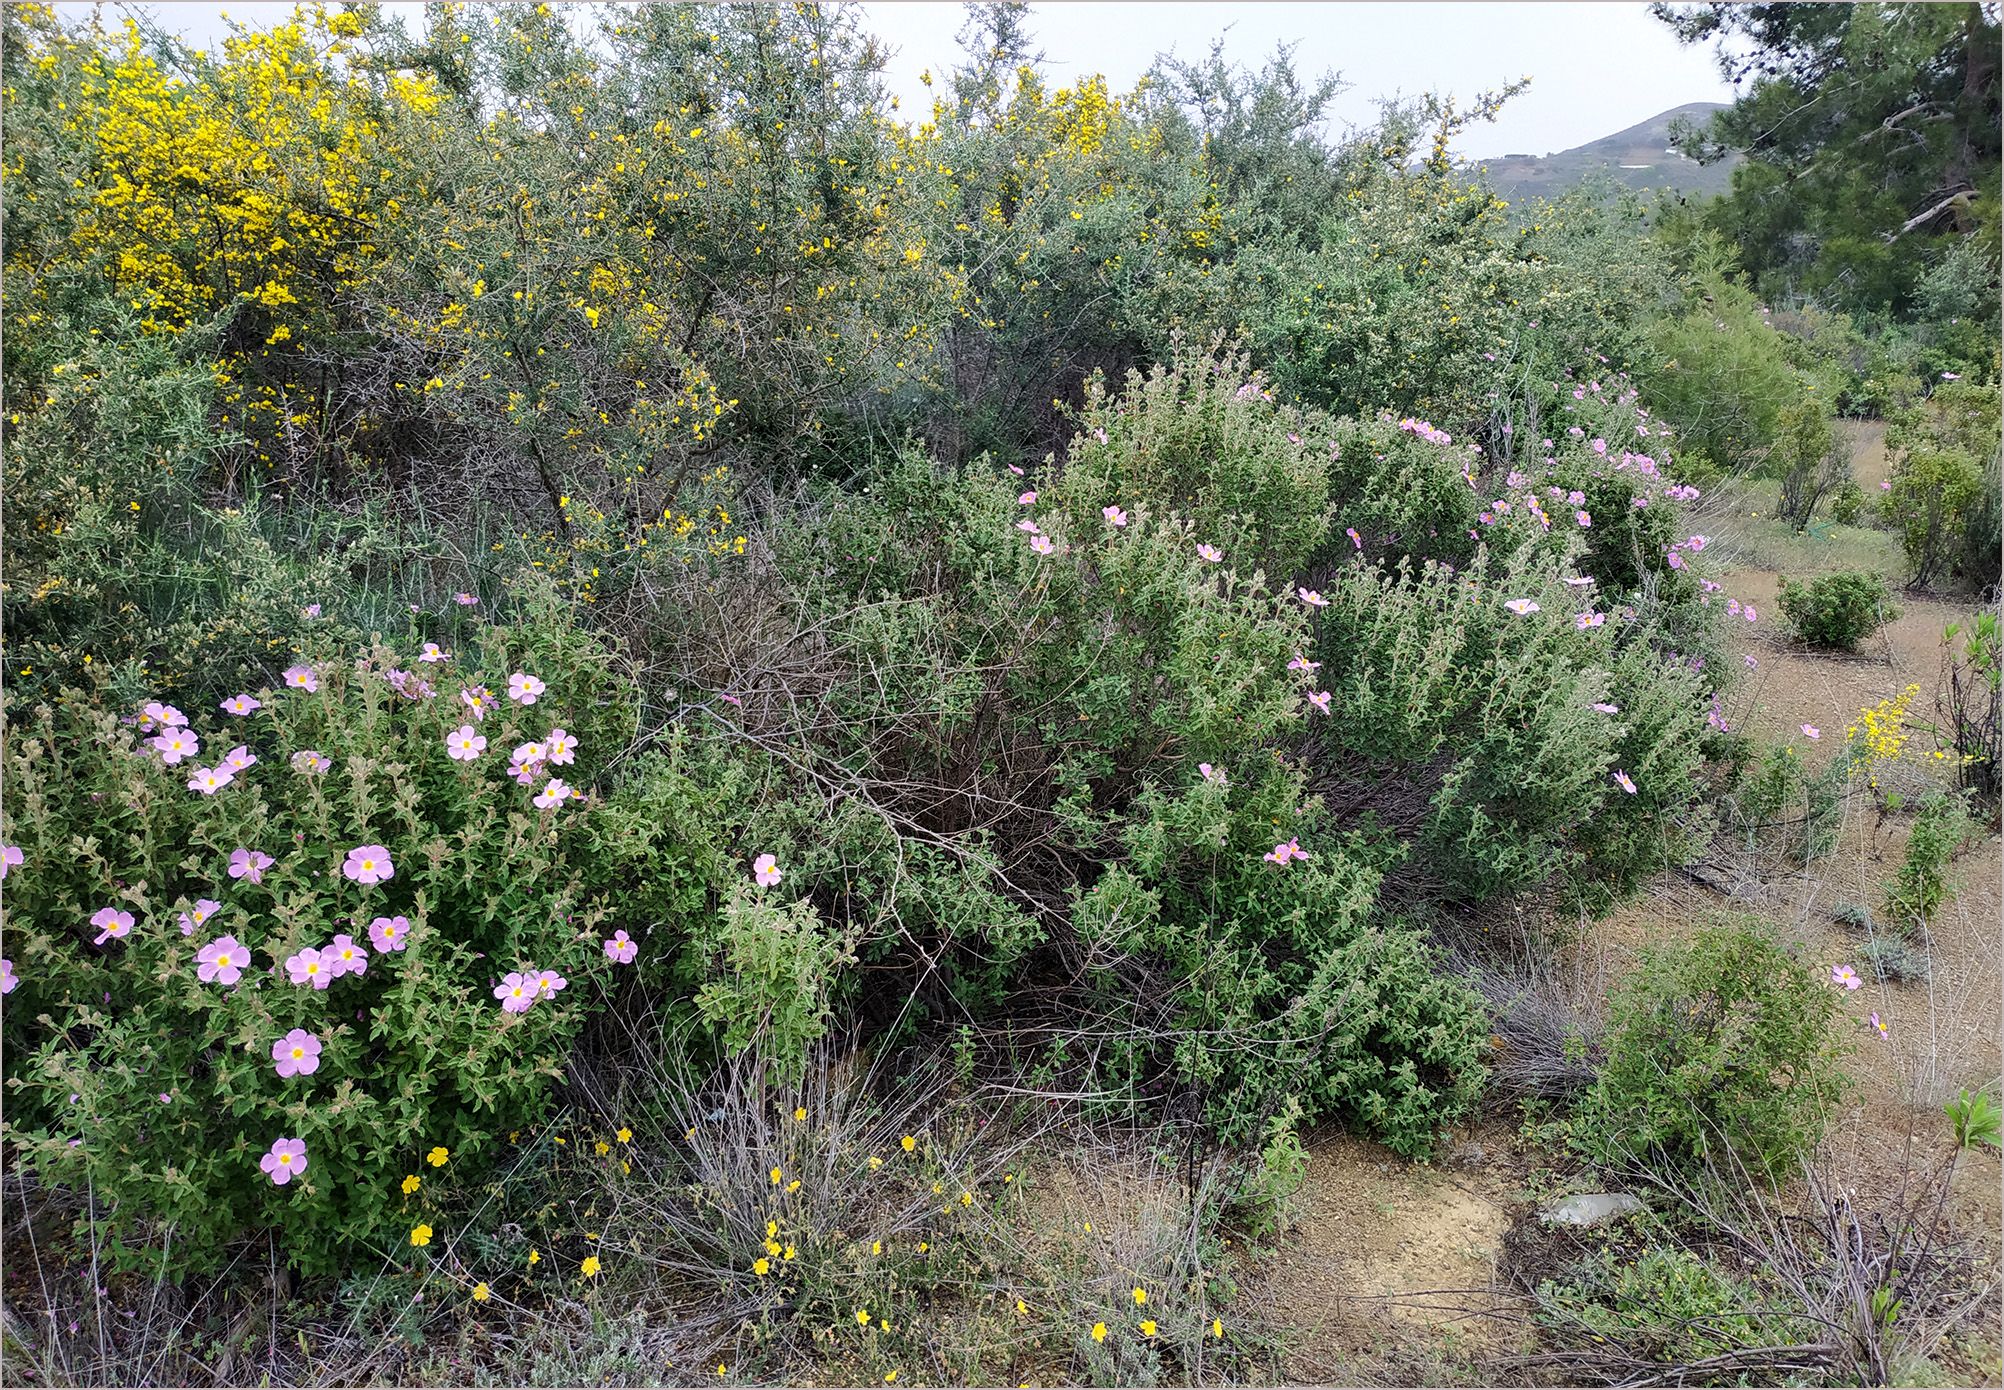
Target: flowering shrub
x=263 y=957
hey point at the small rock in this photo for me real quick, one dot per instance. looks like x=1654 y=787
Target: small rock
x=1590 y=1209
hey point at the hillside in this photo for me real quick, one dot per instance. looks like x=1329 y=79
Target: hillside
x=1639 y=157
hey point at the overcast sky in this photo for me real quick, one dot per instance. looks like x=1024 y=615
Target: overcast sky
x=1595 y=68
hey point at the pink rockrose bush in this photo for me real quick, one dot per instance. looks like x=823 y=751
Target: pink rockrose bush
x=621 y=948
x=209 y=922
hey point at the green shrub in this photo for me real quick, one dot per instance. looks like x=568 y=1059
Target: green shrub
x=1718 y=1051
x=129 y=1071
x=1977 y=1119
x=1916 y=892
x=778 y=966
x=1847 y=503
x=1893 y=958
x=1838 y=610
x=1667 y=1305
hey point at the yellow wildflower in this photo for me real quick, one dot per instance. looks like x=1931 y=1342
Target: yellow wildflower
x=410 y=1184
x=590 y=1266
x=438 y=1157
x=480 y=1293
x=1099 y=1332
x=909 y=1142
x=421 y=1235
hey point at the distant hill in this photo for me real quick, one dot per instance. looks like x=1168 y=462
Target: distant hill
x=1639 y=157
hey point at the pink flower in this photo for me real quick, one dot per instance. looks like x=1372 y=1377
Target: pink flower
x=526 y=762
x=552 y=795
x=297 y=1053
x=1521 y=606
x=1114 y=515
x=111 y=923
x=368 y=865
x=344 y=957
x=1028 y=525
x=10 y=858
x=621 y=949
x=1311 y=598
x=308 y=761
x=166 y=716
x=1751 y=662
x=548 y=982
x=765 y=870
x=1319 y=699
x=477 y=699
x=1811 y=731
x=1210 y=552
x=1281 y=854
x=1880 y=1026
x=222 y=961
x=1605 y=708
x=523 y=689
x=562 y=748
x=311 y=610
x=1355 y=539
x=516 y=992
x=239 y=759
x=1733 y=607
x=205 y=908
x=241 y=704
x=1627 y=784
x=390 y=933
x=1577 y=582
x=1026 y=499
x=1951 y=376
x=1676 y=561
x=1749 y=611
x=464 y=745
x=1885 y=487
x=301 y=678
x=250 y=864
x=465 y=600
x=432 y=653
x=1583 y=518
x=1211 y=774
x=307 y=968
x=1698 y=542
x=8 y=979
x=1041 y=544
x=1575 y=497
x=287 y=1156
x=175 y=745
x=1014 y=469
x=1844 y=975
x=1303 y=664
x=210 y=780
x=1600 y=446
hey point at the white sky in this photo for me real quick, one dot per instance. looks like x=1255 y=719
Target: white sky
x=1595 y=68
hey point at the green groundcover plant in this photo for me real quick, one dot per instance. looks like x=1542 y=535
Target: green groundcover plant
x=265 y=960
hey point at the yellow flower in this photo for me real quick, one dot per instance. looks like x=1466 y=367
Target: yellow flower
x=890 y=1376
x=793 y=1186
x=603 y=1148
x=421 y=1235
x=800 y=1113
x=480 y=1293
x=761 y=1266
x=534 y=1257
x=720 y=1368
x=771 y=1229
x=1140 y=1297
x=967 y=1199
x=590 y=1266
x=625 y=1135
x=775 y=1177
x=909 y=1142
x=1217 y=1327
x=1099 y=1332
x=410 y=1184
x=922 y=1247
x=789 y=1253
x=875 y=1163
x=1148 y=1327
x=876 y=1247
x=1021 y=1306
x=438 y=1157
x=863 y=1316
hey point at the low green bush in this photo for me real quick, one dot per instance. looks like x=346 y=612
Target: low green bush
x=317 y=931
x=1916 y=892
x=1838 y=610
x=1667 y=1305
x=1719 y=1051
